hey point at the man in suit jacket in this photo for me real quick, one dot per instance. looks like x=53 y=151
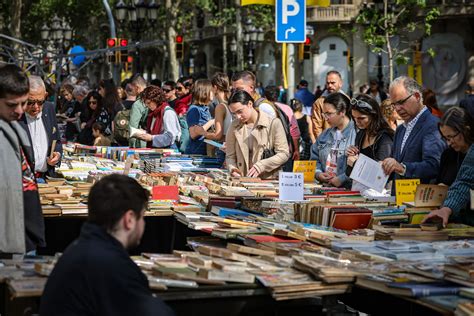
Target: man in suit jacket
x=417 y=145
x=41 y=126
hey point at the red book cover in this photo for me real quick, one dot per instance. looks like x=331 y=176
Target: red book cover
x=350 y=221
x=165 y=192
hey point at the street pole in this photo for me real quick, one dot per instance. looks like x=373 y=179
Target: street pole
x=291 y=58
x=115 y=67
x=239 y=36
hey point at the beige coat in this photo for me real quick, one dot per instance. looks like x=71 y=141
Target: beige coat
x=237 y=151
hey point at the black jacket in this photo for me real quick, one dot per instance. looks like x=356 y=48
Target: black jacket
x=95 y=276
x=381 y=148
x=51 y=126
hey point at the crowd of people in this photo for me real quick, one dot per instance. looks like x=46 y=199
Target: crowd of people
x=403 y=129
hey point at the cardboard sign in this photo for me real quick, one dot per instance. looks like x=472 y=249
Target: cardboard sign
x=165 y=192
x=291 y=186
x=472 y=200
x=308 y=167
x=405 y=190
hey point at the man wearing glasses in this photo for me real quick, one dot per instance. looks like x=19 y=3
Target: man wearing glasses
x=41 y=126
x=169 y=88
x=333 y=85
x=417 y=144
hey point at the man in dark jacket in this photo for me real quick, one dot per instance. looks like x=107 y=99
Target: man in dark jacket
x=95 y=275
x=39 y=121
x=417 y=145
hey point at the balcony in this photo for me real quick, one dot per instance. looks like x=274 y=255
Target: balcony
x=334 y=13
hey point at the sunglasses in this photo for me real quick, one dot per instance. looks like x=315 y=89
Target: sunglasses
x=361 y=104
x=33 y=102
x=92 y=102
x=167 y=90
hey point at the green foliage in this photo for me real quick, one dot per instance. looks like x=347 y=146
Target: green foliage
x=401 y=20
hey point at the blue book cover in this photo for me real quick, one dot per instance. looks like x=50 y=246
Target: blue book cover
x=427 y=289
x=223 y=212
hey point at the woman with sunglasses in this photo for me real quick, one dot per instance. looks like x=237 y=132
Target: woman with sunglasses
x=329 y=151
x=256 y=143
x=374 y=138
x=88 y=117
x=455 y=129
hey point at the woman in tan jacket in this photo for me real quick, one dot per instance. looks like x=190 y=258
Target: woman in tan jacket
x=249 y=135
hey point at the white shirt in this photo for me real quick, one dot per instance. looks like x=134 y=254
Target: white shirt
x=409 y=127
x=39 y=140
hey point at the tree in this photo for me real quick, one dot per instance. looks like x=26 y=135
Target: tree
x=385 y=20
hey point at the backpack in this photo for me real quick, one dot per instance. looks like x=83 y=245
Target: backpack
x=285 y=121
x=184 y=139
x=121 y=126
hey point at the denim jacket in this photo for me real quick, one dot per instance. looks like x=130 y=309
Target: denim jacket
x=321 y=149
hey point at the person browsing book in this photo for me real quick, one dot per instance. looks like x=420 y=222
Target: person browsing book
x=456 y=129
x=256 y=143
x=330 y=147
x=374 y=138
x=95 y=275
x=223 y=118
x=162 y=125
x=198 y=115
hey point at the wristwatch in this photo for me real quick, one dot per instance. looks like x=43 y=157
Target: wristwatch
x=404 y=170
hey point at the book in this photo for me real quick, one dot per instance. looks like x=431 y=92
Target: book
x=28 y=287
x=213 y=143
x=422 y=290
x=238 y=277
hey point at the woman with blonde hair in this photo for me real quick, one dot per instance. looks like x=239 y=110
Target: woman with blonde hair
x=223 y=117
x=256 y=143
x=389 y=113
x=198 y=115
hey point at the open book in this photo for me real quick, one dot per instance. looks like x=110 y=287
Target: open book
x=136 y=131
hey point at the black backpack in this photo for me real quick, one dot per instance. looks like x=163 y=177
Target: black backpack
x=285 y=121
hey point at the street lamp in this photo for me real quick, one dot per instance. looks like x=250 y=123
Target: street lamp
x=252 y=36
x=44 y=32
x=137 y=17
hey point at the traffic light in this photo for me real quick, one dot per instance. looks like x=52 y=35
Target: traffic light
x=111 y=56
x=123 y=53
x=179 y=47
x=307 y=48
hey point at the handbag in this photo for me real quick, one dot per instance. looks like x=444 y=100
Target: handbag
x=268 y=150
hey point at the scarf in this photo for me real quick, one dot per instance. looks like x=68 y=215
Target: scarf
x=157 y=114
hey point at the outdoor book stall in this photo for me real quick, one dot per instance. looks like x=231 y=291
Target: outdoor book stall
x=220 y=243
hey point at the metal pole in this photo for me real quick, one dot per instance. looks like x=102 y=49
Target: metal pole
x=115 y=68
x=291 y=71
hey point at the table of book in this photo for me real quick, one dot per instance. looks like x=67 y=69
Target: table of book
x=331 y=265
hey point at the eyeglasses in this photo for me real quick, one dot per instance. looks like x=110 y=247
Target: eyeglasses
x=449 y=138
x=361 y=104
x=328 y=114
x=401 y=102
x=34 y=102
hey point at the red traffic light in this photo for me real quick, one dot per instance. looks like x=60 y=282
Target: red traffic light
x=123 y=42
x=111 y=42
x=308 y=41
x=129 y=59
x=179 y=39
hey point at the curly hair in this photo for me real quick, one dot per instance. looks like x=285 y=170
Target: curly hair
x=153 y=93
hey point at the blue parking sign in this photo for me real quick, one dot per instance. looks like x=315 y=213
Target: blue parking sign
x=290 y=21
